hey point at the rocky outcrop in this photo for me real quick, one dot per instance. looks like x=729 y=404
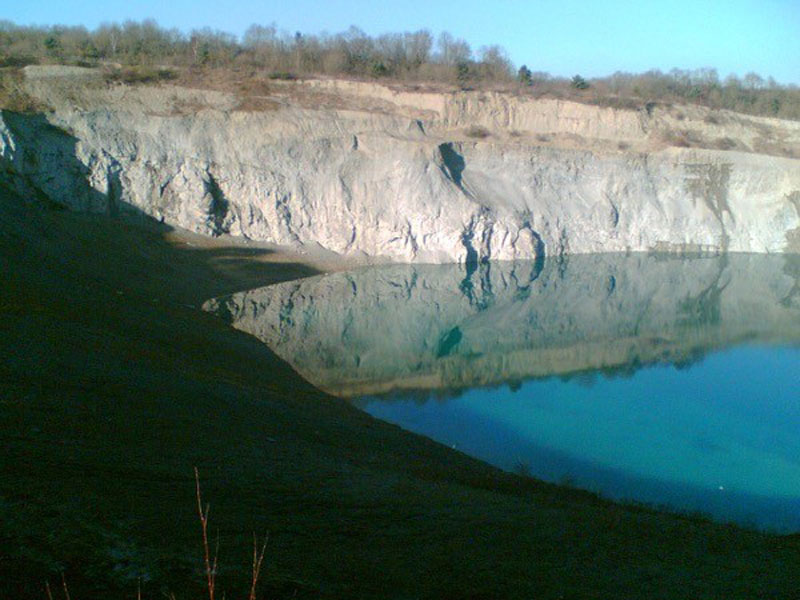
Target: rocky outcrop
x=439 y=327
x=395 y=175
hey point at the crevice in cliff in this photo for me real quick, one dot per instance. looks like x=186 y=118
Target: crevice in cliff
x=471 y=257
x=563 y=251
x=614 y=214
x=793 y=235
x=411 y=238
x=486 y=241
x=487 y=291
x=709 y=183
x=162 y=187
x=285 y=314
x=484 y=297
x=113 y=187
x=791 y=268
x=285 y=214
x=223 y=309
x=452 y=164
x=705 y=308
x=538 y=243
x=218 y=207
x=448 y=342
x=524 y=288
x=611 y=286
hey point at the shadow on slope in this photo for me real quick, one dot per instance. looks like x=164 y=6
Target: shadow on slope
x=112 y=389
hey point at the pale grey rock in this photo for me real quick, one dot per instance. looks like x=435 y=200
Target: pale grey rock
x=402 y=182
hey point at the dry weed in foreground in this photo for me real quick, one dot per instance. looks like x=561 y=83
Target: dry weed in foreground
x=211 y=565
x=211 y=568
x=258 y=558
x=49 y=592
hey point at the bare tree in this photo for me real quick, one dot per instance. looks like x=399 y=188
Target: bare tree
x=453 y=51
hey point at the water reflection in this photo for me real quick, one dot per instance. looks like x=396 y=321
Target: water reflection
x=444 y=327
x=665 y=380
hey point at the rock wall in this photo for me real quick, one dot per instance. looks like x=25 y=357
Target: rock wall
x=387 y=180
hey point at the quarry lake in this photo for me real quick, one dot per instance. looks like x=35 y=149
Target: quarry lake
x=668 y=381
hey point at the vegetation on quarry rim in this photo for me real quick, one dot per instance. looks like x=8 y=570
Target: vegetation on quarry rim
x=144 y=52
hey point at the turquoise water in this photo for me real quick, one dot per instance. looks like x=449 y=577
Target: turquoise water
x=721 y=437
x=663 y=380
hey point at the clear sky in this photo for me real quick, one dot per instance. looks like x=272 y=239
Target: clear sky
x=563 y=37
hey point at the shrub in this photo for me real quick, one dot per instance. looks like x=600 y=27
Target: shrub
x=284 y=75
x=525 y=76
x=679 y=139
x=579 y=83
x=134 y=75
x=476 y=131
x=725 y=143
x=379 y=69
x=21 y=60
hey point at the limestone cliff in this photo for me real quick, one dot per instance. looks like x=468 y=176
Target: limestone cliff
x=365 y=170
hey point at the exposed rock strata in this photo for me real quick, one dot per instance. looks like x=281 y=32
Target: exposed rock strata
x=390 y=174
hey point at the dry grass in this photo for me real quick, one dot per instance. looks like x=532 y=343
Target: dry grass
x=256 y=104
x=251 y=87
x=13 y=97
x=610 y=101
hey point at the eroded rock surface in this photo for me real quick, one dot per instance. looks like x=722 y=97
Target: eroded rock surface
x=363 y=170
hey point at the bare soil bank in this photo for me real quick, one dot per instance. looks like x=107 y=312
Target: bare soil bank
x=113 y=385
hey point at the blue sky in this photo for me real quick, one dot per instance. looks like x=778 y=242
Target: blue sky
x=563 y=37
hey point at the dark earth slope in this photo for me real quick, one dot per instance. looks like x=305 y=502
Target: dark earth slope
x=114 y=385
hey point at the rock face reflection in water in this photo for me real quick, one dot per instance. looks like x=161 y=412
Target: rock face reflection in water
x=446 y=326
x=636 y=412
